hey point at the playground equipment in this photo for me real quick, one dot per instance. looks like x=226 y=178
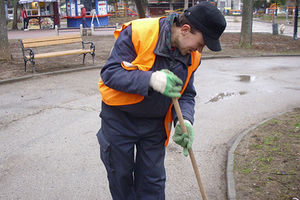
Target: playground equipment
x=121 y=10
x=179 y=11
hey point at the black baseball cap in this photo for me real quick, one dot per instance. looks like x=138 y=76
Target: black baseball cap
x=207 y=18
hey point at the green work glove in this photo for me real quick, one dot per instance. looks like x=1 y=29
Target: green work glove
x=184 y=139
x=166 y=82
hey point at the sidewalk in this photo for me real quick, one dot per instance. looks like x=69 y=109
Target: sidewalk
x=20 y=34
x=233 y=26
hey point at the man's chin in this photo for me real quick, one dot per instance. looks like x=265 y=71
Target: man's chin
x=184 y=53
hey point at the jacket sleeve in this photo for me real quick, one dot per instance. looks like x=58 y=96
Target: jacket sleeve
x=187 y=102
x=115 y=76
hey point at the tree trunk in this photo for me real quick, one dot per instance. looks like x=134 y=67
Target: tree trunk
x=15 y=21
x=296 y=20
x=140 y=8
x=186 y=4
x=4 y=46
x=246 y=31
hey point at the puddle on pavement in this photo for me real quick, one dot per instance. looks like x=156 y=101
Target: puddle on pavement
x=246 y=78
x=282 y=68
x=223 y=95
x=293 y=88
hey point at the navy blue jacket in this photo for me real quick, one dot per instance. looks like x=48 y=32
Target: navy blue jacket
x=154 y=105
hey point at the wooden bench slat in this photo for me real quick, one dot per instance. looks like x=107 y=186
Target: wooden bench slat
x=51 y=43
x=50 y=38
x=61 y=53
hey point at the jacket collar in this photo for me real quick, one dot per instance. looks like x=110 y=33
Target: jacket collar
x=163 y=46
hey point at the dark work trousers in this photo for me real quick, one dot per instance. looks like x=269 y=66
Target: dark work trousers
x=25 y=23
x=134 y=177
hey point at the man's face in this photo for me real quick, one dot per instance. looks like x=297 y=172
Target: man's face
x=187 y=42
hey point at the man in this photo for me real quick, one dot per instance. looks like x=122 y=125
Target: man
x=83 y=17
x=153 y=60
x=25 y=19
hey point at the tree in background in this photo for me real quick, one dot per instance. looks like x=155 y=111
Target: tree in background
x=140 y=9
x=4 y=45
x=246 y=30
x=186 y=4
x=296 y=20
x=16 y=19
x=264 y=4
x=260 y=5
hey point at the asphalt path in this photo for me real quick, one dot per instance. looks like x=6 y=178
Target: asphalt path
x=48 y=126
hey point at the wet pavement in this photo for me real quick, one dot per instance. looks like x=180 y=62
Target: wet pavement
x=48 y=126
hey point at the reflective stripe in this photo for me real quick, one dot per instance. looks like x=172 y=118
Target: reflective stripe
x=128 y=66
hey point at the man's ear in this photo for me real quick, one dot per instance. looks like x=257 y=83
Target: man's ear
x=185 y=29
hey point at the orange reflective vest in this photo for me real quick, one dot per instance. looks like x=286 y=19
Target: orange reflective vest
x=144 y=38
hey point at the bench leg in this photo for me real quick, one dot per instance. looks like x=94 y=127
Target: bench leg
x=93 y=55
x=33 y=66
x=25 y=63
x=84 y=57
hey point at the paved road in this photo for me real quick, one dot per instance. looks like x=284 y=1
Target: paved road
x=233 y=25
x=48 y=147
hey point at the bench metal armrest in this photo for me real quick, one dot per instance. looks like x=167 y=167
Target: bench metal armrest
x=92 y=45
x=31 y=53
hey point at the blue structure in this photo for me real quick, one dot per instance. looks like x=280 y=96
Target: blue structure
x=96 y=10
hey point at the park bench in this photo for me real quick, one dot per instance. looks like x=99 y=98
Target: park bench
x=29 y=47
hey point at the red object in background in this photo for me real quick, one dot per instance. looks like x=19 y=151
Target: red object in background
x=24 y=14
x=56 y=14
x=83 y=12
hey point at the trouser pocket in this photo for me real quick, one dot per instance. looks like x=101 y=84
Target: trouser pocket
x=105 y=150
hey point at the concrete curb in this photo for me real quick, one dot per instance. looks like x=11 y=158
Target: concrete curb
x=231 y=192
x=47 y=73
x=5 y=81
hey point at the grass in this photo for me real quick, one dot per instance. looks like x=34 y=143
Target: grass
x=297 y=127
x=267 y=165
x=266 y=160
x=245 y=171
x=257 y=146
x=9 y=25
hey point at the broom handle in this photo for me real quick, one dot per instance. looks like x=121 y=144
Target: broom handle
x=191 y=153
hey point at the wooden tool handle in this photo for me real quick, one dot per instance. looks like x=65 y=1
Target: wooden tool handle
x=179 y=115
x=191 y=153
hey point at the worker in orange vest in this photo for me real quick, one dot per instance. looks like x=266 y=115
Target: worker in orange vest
x=153 y=60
